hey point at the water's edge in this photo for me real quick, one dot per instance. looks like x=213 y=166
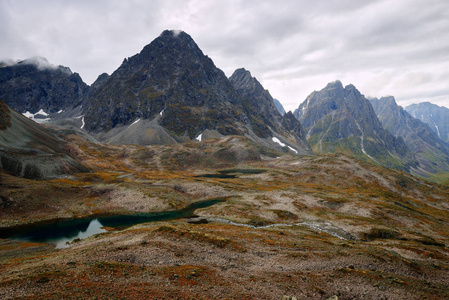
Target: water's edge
x=63 y=231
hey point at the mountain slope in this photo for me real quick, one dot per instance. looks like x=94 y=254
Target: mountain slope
x=174 y=93
x=264 y=117
x=339 y=119
x=34 y=84
x=437 y=117
x=431 y=152
x=31 y=151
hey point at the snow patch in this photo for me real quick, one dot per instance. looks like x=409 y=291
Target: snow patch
x=305 y=107
x=438 y=130
x=361 y=142
x=294 y=150
x=134 y=122
x=41 y=112
x=29 y=115
x=82 y=121
x=60 y=111
x=276 y=140
x=199 y=138
x=162 y=112
x=41 y=121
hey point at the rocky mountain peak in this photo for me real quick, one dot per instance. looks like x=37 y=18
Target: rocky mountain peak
x=34 y=84
x=38 y=62
x=339 y=119
x=389 y=99
x=242 y=79
x=334 y=85
x=170 y=71
x=175 y=34
x=173 y=43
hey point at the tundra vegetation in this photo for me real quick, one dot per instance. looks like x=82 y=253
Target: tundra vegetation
x=310 y=227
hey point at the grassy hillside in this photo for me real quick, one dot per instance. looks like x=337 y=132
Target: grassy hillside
x=307 y=227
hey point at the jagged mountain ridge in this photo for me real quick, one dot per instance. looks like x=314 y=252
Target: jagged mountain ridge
x=167 y=73
x=34 y=84
x=341 y=119
x=256 y=100
x=437 y=117
x=176 y=93
x=170 y=92
x=431 y=152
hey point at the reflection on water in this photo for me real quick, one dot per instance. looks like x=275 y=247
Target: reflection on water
x=94 y=227
x=62 y=231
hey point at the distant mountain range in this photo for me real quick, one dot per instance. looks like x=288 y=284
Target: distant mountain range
x=168 y=93
x=341 y=119
x=172 y=93
x=435 y=116
x=431 y=152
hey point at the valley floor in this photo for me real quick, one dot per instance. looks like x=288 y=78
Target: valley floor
x=388 y=236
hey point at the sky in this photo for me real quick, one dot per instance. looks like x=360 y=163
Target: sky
x=394 y=48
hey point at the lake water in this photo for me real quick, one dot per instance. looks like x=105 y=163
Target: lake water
x=63 y=231
x=232 y=173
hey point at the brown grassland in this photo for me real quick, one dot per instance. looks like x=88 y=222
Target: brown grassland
x=393 y=228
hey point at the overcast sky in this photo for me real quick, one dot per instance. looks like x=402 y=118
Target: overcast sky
x=293 y=47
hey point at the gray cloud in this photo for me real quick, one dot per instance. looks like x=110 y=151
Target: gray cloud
x=293 y=47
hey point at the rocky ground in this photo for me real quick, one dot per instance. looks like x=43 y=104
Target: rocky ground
x=342 y=228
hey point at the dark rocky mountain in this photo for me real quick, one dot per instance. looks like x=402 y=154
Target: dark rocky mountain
x=34 y=84
x=170 y=78
x=279 y=106
x=437 y=117
x=264 y=117
x=341 y=119
x=431 y=152
x=31 y=151
x=171 y=92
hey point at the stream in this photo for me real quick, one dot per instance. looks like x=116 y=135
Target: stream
x=314 y=225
